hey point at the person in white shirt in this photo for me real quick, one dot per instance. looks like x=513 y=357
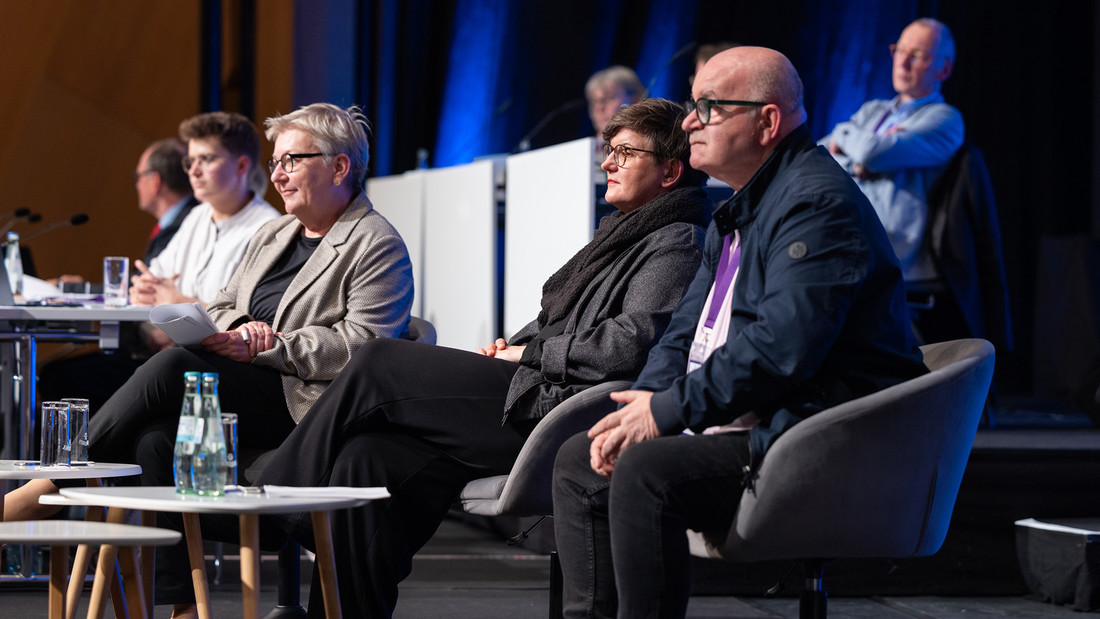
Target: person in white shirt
x=223 y=151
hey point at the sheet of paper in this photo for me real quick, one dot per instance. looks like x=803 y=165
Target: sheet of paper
x=186 y=323
x=328 y=492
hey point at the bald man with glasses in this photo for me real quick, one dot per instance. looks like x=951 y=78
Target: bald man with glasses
x=798 y=305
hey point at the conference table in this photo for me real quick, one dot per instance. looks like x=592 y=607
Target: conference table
x=26 y=326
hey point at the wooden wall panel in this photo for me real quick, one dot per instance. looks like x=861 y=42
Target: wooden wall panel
x=86 y=87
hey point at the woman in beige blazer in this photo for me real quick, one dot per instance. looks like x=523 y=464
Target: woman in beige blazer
x=313 y=286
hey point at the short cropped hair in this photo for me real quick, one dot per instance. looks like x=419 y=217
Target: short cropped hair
x=166 y=158
x=335 y=130
x=659 y=120
x=236 y=134
x=618 y=75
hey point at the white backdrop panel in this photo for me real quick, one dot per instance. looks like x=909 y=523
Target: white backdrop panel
x=460 y=295
x=549 y=215
x=400 y=199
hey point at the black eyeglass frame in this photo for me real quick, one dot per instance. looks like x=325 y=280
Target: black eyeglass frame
x=203 y=160
x=138 y=175
x=623 y=153
x=291 y=157
x=702 y=112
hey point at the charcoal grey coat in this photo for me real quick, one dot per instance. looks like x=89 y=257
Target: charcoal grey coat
x=619 y=317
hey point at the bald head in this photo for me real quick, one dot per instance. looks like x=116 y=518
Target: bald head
x=764 y=75
x=738 y=138
x=924 y=57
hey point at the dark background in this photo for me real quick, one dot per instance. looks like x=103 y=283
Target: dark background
x=468 y=78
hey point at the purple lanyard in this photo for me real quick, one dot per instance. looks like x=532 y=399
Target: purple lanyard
x=727 y=268
x=888 y=114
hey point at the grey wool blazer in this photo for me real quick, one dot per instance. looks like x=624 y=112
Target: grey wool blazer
x=357 y=285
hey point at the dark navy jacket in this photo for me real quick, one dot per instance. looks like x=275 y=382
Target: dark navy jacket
x=818 y=311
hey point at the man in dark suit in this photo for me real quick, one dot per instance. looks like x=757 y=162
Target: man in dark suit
x=164 y=191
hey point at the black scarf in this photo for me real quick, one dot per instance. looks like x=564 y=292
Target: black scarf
x=617 y=232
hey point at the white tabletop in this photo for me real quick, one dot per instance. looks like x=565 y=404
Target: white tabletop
x=19 y=469
x=73 y=532
x=166 y=499
x=97 y=311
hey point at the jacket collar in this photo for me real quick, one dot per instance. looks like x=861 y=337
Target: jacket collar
x=740 y=210
x=341 y=230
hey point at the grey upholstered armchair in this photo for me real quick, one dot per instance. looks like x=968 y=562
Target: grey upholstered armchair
x=874 y=477
x=526 y=489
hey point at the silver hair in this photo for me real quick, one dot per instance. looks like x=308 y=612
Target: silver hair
x=618 y=75
x=334 y=130
x=946 y=45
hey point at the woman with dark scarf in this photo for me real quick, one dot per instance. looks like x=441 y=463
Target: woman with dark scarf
x=424 y=420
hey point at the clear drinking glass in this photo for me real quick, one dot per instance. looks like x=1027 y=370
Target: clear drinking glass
x=56 y=444
x=116 y=280
x=78 y=429
x=229 y=430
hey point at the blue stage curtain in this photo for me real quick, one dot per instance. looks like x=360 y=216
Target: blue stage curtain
x=667 y=52
x=848 y=60
x=471 y=94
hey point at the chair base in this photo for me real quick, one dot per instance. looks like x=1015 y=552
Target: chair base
x=287 y=598
x=557 y=587
x=812 y=605
x=813 y=600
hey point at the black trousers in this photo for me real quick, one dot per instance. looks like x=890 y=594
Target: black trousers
x=420 y=420
x=138 y=424
x=95 y=376
x=622 y=542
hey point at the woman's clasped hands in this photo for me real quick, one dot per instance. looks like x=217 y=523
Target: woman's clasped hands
x=243 y=343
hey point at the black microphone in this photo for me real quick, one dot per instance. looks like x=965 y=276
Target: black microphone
x=75 y=220
x=17 y=216
x=525 y=144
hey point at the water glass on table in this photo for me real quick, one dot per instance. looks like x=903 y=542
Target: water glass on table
x=229 y=430
x=56 y=444
x=116 y=280
x=78 y=429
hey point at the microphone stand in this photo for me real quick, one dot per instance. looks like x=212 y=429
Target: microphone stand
x=525 y=143
x=75 y=220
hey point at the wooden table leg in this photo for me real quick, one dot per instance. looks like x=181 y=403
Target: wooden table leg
x=250 y=565
x=131 y=582
x=117 y=515
x=148 y=562
x=59 y=569
x=80 y=566
x=104 y=570
x=198 y=564
x=326 y=563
